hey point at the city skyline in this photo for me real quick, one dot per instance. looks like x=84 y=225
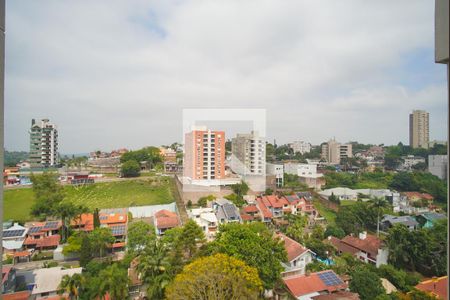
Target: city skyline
x=127 y=70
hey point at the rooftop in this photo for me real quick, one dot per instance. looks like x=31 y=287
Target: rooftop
x=324 y=281
x=48 y=279
x=436 y=286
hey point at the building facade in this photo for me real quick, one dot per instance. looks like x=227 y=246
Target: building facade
x=333 y=151
x=276 y=170
x=204 y=154
x=300 y=147
x=248 y=154
x=43 y=144
x=438 y=165
x=419 y=131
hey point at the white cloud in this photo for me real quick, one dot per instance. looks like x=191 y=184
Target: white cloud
x=118 y=73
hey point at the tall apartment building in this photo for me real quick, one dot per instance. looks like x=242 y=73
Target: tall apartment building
x=43 y=144
x=300 y=146
x=248 y=154
x=419 y=131
x=204 y=154
x=333 y=151
x=438 y=165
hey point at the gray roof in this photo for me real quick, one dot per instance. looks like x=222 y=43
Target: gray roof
x=226 y=210
x=433 y=216
x=405 y=220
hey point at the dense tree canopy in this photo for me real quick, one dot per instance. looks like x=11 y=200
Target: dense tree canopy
x=366 y=283
x=216 y=277
x=139 y=235
x=130 y=168
x=255 y=245
x=48 y=194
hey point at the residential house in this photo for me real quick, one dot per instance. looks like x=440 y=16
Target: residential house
x=43 y=235
x=306 y=195
x=417 y=196
x=437 y=287
x=13 y=238
x=226 y=211
x=250 y=213
x=276 y=174
x=428 y=219
x=266 y=214
x=298 y=257
x=165 y=220
x=277 y=205
x=339 y=295
x=308 y=286
x=366 y=247
x=47 y=280
x=410 y=160
x=388 y=221
x=206 y=219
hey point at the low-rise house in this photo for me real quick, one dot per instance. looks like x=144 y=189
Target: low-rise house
x=266 y=214
x=388 y=221
x=410 y=160
x=276 y=171
x=226 y=211
x=366 y=247
x=417 y=196
x=13 y=239
x=250 y=213
x=305 y=195
x=47 y=280
x=341 y=193
x=428 y=219
x=43 y=235
x=308 y=286
x=206 y=219
x=298 y=257
x=437 y=287
x=277 y=205
x=165 y=220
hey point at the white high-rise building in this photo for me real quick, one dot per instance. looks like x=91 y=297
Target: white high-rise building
x=248 y=154
x=43 y=144
x=300 y=146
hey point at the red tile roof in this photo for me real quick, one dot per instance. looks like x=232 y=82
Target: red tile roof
x=166 y=219
x=293 y=248
x=246 y=217
x=250 y=209
x=370 y=244
x=275 y=201
x=87 y=220
x=436 y=286
x=22 y=254
x=47 y=241
x=264 y=210
x=23 y=295
x=342 y=247
x=300 y=285
x=418 y=195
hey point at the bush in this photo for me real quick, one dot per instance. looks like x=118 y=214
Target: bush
x=130 y=168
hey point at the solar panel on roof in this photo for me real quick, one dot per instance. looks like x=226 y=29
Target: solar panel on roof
x=330 y=278
x=51 y=224
x=35 y=229
x=118 y=230
x=12 y=233
x=229 y=210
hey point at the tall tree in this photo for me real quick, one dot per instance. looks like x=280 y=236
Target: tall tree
x=378 y=203
x=191 y=238
x=216 y=277
x=48 y=194
x=68 y=211
x=139 y=235
x=72 y=285
x=85 y=250
x=100 y=239
x=366 y=283
x=96 y=218
x=153 y=268
x=114 y=282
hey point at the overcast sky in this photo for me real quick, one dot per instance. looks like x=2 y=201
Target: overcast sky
x=117 y=74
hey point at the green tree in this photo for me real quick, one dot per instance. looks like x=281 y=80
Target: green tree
x=203 y=201
x=378 y=203
x=114 y=281
x=191 y=237
x=366 y=283
x=153 y=267
x=85 y=250
x=255 y=247
x=216 y=277
x=240 y=189
x=334 y=230
x=139 y=235
x=130 y=168
x=48 y=193
x=68 y=211
x=96 y=218
x=73 y=244
x=100 y=239
x=72 y=285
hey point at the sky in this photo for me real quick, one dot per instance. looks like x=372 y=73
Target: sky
x=115 y=74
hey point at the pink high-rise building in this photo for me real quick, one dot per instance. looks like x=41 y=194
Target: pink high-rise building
x=204 y=154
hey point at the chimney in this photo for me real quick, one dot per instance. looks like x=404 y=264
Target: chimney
x=363 y=235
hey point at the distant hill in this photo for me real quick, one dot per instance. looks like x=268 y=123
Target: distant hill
x=14 y=157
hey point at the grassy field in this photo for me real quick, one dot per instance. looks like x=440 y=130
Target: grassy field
x=325 y=212
x=347 y=202
x=155 y=190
